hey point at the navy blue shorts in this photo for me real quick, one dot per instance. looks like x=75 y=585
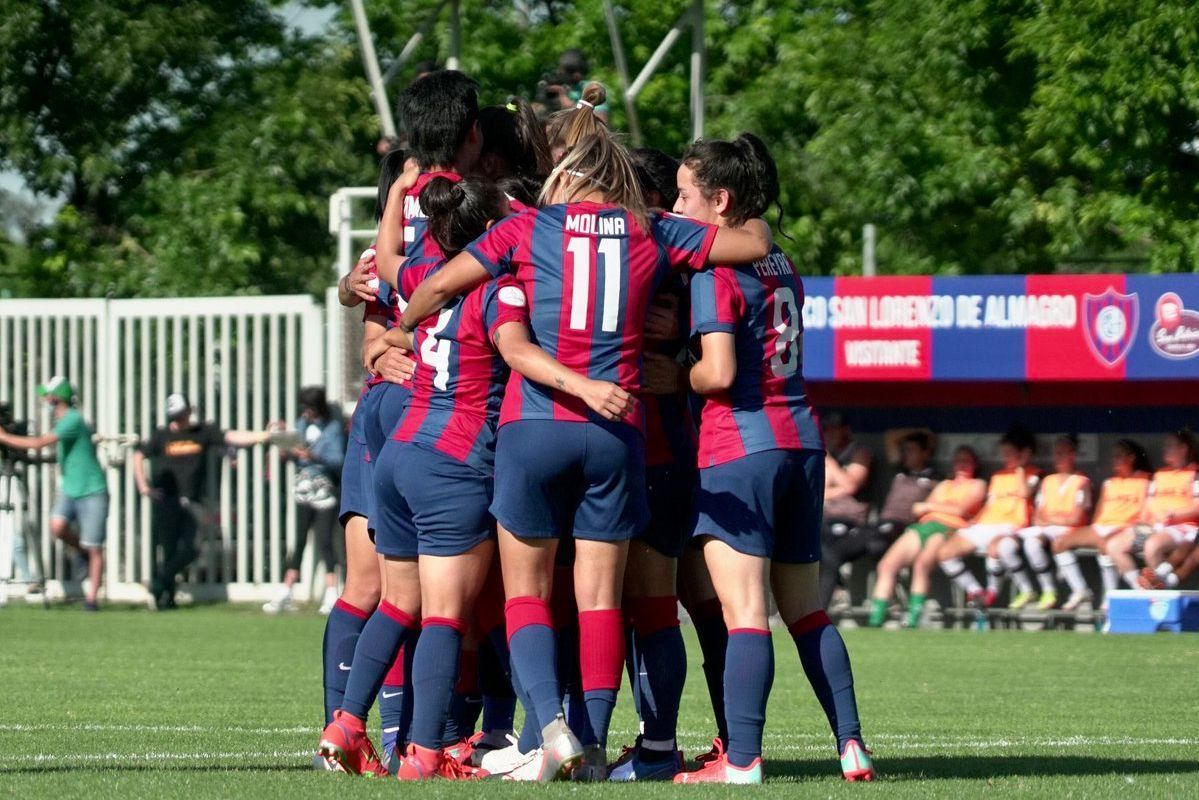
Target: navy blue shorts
x=395 y=532
x=766 y=504
x=448 y=500
x=670 y=489
x=580 y=479
x=357 y=481
x=388 y=406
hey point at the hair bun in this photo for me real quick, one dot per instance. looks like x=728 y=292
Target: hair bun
x=441 y=195
x=594 y=94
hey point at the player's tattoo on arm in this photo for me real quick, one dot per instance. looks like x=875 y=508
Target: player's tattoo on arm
x=561 y=383
x=495 y=338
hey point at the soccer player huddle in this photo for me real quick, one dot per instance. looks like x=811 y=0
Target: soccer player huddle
x=527 y=495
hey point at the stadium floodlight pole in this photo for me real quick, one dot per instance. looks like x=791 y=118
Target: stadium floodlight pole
x=622 y=71
x=387 y=125
x=698 y=56
x=414 y=41
x=452 y=61
x=655 y=60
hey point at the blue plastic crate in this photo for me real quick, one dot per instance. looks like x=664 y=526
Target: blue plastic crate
x=1142 y=611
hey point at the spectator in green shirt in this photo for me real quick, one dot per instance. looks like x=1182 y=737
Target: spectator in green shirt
x=83 y=491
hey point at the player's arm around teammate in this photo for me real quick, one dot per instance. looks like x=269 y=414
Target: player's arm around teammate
x=951 y=503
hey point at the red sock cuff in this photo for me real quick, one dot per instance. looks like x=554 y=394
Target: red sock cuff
x=444 y=622
x=655 y=614
x=601 y=648
x=396 y=676
x=468 y=673
x=402 y=617
x=708 y=609
x=354 y=611
x=521 y=612
x=813 y=621
x=749 y=631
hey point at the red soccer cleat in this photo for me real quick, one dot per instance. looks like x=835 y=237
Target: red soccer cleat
x=719 y=770
x=717 y=752
x=346 y=747
x=423 y=763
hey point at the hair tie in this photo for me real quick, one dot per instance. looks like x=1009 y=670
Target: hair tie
x=511 y=106
x=583 y=102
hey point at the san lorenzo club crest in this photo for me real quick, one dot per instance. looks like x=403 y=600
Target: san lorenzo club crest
x=1111 y=323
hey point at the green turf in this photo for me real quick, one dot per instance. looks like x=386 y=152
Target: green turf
x=224 y=702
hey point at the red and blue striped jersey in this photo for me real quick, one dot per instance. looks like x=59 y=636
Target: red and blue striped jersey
x=459 y=380
x=767 y=406
x=589 y=272
x=416 y=242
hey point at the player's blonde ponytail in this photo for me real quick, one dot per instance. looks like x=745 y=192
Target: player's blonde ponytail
x=595 y=162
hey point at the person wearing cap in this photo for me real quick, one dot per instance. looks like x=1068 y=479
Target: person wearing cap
x=180 y=453
x=83 y=491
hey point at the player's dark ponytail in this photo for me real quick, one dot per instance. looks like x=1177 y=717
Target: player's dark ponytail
x=458 y=212
x=391 y=166
x=513 y=133
x=743 y=167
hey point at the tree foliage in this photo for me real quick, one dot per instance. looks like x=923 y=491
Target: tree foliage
x=195 y=143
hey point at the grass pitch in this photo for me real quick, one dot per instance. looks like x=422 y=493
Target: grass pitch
x=225 y=702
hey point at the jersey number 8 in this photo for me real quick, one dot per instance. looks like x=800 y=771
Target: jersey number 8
x=785 y=360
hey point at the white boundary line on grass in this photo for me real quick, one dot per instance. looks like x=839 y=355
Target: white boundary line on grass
x=103 y=758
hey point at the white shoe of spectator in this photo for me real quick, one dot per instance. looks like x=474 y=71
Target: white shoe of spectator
x=328 y=600
x=281 y=603
x=1076 y=599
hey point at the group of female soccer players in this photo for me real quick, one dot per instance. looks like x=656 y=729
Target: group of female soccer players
x=526 y=496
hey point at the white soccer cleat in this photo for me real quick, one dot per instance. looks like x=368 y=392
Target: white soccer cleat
x=527 y=768
x=502 y=760
x=1076 y=599
x=279 y=604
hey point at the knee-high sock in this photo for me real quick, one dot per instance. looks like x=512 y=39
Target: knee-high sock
x=1107 y=571
x=662 y=670
x=466 y=703
x=395 y=701
x=534 y=655
x=826 y=663
x=499 y=701
x=1038 y=558
x=1009 y=557
x=634 y=664
x=708 y=618
x=1067 y=565
x=377 y=647
x=601 y=662
x=748 y=675
x=342 y=629
x=955 y=569
x=434 y=673
x=995 y=575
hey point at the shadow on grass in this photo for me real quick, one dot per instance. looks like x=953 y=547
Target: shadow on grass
x=48 y=769
x=989 y=766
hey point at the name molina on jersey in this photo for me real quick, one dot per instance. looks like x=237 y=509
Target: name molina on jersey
x=595 y=225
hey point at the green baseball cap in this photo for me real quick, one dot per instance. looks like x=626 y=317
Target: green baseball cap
x=59 y=387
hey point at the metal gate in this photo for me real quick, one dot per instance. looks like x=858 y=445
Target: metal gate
x=241 y=362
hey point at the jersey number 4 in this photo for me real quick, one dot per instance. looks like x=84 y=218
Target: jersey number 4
x=579 y=250
x=436 y=352
x=785 y=360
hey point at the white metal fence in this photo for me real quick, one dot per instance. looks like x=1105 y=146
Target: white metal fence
x=240 y=360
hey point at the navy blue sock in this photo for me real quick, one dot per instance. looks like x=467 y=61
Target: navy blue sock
x=342 y=629
x=499 y=702
x=597 y=706
x=530 y=735
x=376 y=651
x=395 y=701
x=826 y=663
x=534 y=655
x=748 y=675
x=434 y=673
x=634 y=666
x=664 y=670
x=713 y=643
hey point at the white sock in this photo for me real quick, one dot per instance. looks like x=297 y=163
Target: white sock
x=1171 y=580
x=955 y=568
x=1163 y=569
x=1009 y=556
x=1111 y=578
x=1067 y=565
x=995 y=574
x=1038 y=559
x=1130 y=578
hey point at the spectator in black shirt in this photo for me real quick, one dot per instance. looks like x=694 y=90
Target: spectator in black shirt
x=180 y=455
